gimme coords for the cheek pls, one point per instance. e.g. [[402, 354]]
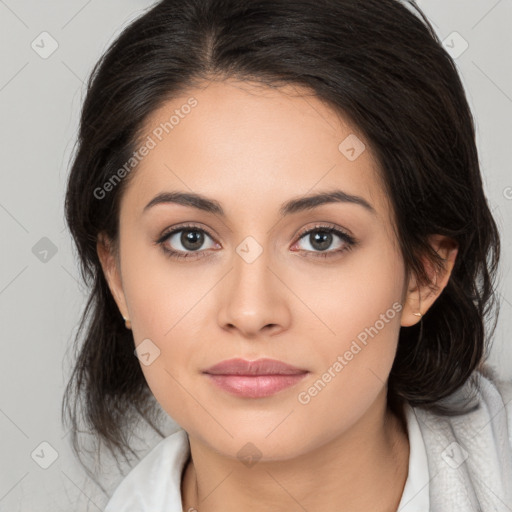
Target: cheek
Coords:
[[162, 298], [363, 291], [353, 374], [360, 310], [172, 374], [161, 292]]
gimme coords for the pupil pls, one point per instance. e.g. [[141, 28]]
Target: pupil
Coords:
[[321, 238], [192, 240]]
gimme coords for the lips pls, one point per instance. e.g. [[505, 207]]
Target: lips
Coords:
[[254, 379], [257, 367]]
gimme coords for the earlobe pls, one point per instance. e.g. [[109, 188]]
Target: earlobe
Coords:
[[419, 299], [412, 311], [111, 272]]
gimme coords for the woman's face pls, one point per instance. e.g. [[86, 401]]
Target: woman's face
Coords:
[[252, 284]]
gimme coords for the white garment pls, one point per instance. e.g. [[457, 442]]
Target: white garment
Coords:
[[415, 496], [439, 480]]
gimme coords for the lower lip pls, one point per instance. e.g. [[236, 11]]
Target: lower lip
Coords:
[[255, 386]]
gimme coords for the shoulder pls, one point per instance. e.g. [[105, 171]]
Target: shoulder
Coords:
[[154, 483], [470, 453], [487, 411], [487, 401]]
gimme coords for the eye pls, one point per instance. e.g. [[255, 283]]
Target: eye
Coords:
[[321, 237], [184, 241], [187, 239]]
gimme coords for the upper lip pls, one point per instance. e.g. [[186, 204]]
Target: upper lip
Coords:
[[258, 367]]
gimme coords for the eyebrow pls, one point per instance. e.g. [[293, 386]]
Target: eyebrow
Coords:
[[290, 207]]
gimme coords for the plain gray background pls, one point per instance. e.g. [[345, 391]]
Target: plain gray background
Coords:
[[41, 297]]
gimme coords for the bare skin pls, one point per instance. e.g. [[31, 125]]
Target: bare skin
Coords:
[[252, 149], [383, 465]]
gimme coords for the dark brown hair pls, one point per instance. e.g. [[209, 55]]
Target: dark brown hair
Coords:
[[378, 63]]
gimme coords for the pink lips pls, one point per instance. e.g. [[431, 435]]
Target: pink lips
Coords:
[[254, 379]]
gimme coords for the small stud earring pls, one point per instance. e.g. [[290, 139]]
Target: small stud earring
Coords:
[[418, 314], [127, 323]]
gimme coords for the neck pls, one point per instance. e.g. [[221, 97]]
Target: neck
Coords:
[[362, 469]]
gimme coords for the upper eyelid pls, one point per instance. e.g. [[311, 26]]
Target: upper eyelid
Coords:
[[319, 225], [172, 231]]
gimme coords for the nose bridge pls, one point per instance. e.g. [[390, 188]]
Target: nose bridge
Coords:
[[250, 267]]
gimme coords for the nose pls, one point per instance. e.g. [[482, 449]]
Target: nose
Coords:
[[254, 298]]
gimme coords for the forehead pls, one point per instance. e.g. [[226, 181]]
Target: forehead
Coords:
[[252, 146]]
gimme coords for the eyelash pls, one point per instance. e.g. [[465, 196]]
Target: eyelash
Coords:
[[348, 239]]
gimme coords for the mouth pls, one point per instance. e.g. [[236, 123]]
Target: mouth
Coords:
[[254, 379]]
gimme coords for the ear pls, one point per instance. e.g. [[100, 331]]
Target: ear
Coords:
[[420, 299], [111, 269]]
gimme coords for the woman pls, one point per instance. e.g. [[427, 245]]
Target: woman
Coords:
[[280, 207]]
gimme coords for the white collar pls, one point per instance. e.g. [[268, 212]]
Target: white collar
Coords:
[[415, 497]]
